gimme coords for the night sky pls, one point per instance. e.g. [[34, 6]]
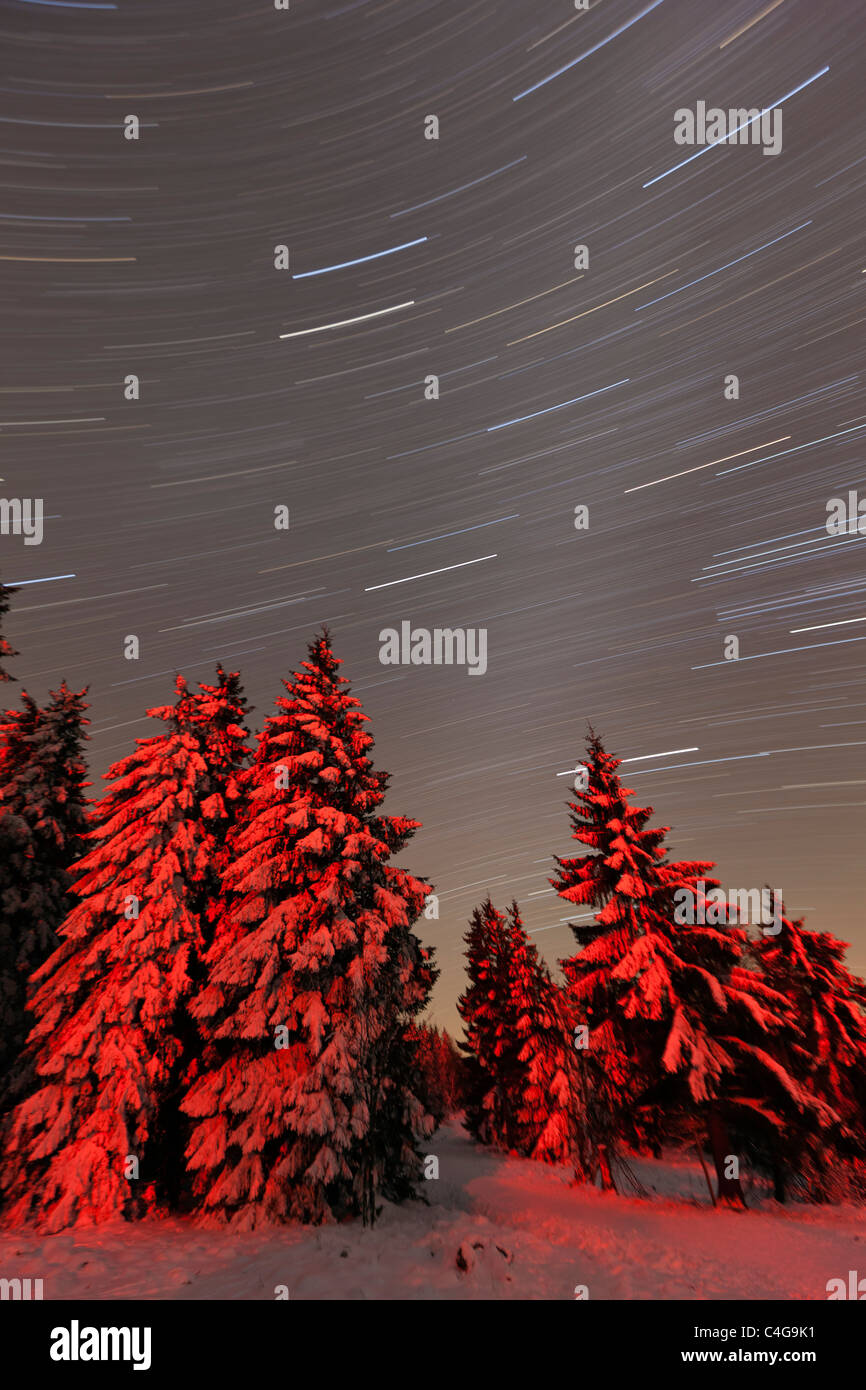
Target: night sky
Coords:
[[559, 387]]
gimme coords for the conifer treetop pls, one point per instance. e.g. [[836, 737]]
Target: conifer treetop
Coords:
[[630, 862]]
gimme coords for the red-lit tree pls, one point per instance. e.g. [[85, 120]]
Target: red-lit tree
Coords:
[[675, 1018], [543, 1099], [609, 880], [489, 1040], [825, 1049], [110, 1045], [218, 714], [441, 1069], [42, 821], [306, 1108]]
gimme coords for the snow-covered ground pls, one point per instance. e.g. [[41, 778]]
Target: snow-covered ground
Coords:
[[496, 1227]]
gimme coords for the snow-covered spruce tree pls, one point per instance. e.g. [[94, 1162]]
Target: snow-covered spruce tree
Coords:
[[543, 1100], [5, 649], [308, 1107], [110, 1045], [607, 1081], [712, 1032], [825, 1050], [218, 716], [42, 821], [489, 1042], [676, 1020]]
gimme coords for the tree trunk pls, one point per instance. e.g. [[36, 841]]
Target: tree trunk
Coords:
[[706, 1174], [729, 1188], [607, 1182]]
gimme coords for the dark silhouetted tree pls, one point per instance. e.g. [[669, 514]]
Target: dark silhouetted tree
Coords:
[[42, 821], [5, 649]]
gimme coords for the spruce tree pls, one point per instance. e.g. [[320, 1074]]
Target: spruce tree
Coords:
[[490, 1043], [825, 1050], [543, 1098], [219, 715], [676, 1019], [308, 1106], [110, 1045], [42, 821], [623, 851]]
